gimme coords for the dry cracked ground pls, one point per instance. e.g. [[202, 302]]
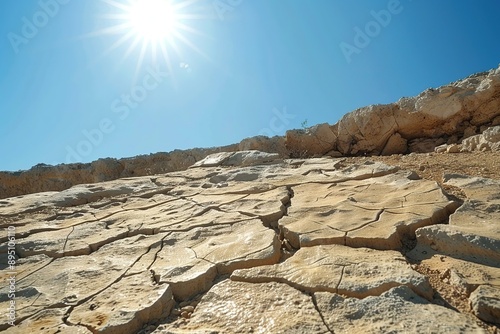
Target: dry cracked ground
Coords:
[[248, 243]]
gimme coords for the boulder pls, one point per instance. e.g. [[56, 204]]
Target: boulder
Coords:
[[395, 145], [318, 139]]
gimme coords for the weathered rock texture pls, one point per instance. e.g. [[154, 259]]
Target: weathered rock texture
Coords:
[[417, 124], [247, 242], [398, 310], [447, 115]]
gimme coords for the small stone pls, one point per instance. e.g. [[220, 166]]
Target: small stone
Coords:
[[440, 148], [188, 308], [454, 148], [186, 315]]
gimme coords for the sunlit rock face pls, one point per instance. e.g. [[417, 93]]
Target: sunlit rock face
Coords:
[[250, 243]]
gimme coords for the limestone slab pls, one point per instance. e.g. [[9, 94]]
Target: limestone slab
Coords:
[[465, 275], [48, 321], [473, 232], [398, 310], [377, 212], [237, 307], [78, 240], [480, 213], [240, 158], [125, 306], [268, 206], [114, 256], [74, 196], [69, 280], [453, 241], [354, 272], [181, 214], [190, 261], [485, 303]]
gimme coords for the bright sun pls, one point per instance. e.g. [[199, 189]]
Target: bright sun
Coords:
[[153, 20], [152, 26]]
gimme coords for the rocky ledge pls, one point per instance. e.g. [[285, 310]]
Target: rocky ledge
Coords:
[[247, 242]]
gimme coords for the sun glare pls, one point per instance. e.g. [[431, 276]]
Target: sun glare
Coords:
[[153, 20], [155, 27]]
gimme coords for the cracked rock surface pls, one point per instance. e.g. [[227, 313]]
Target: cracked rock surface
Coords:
[[398, 310], [249, 243]]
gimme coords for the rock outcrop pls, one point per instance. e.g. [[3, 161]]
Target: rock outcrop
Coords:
[[418, 124], [247, 242], [489, 140]]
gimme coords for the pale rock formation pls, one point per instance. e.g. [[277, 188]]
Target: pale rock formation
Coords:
[[48, 321], [237, 307], [353, 213], [354, 272], [115, 256], [489, 140], [366, 129], [398, 310], [459, 108], [470, 245], [241, 158], [274, 144], [395, 145], [318, 139], [138, 299], [193, 259], [473, 232], [485, 302], [265, 243], [41, 177]]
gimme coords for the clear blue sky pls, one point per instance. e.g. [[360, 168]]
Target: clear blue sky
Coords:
[[235, 69]]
